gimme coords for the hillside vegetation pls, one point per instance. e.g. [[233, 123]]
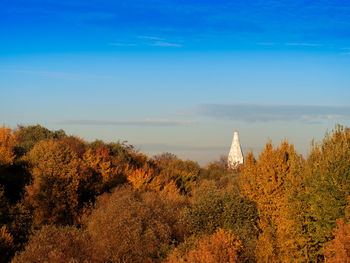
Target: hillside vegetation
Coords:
[[63, 199]]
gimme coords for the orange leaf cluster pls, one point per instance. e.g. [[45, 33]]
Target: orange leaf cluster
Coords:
[[7, 143]]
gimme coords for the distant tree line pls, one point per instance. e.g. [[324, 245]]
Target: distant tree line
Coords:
[[63, 199]]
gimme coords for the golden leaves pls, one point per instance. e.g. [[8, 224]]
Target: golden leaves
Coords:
[[7, 143]]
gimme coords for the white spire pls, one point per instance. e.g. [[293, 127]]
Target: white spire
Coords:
[[235, 156]]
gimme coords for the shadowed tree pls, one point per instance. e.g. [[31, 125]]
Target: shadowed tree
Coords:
[[57, 244]]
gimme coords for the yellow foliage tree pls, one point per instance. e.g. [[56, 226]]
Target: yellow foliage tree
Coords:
[[7, 142], [59, 183], [141, 178], [272, 182]]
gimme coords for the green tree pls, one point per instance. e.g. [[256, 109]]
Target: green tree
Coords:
[[327, 186], [28, 136], [214, 208]]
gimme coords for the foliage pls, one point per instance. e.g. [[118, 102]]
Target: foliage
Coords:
[[183, 173], [6, 245], [328, 186], [338, 249], [28, 136], [220, 247], [131, 227], [271, 182], [60, 183], [7, 143], [57, 244], [276, 208], [214, 208]]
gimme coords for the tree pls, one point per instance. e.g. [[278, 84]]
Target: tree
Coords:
[[272, 182], [338, 249], [129, 226], [30, 135], [57, 244], [7, 143], [6, 245], [183, 173], [327, 186], [61, 183], [213, 208], [220, 247], [105, 168]]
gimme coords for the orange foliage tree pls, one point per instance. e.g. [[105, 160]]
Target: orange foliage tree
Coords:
[[338, 249], [7, 143], [220, 247], [105, 168], [128, 226], [60, 182]]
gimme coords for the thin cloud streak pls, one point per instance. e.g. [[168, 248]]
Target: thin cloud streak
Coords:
[[267, 113], [122, 44], [165, 44], [160, 147], [146, 122], [304, 44], [150, 37]]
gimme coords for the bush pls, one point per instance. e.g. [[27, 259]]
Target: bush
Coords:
[[131, 227], [220, 247], [56, 244]]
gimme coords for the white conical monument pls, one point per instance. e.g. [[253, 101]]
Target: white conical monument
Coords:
[[235, 156]]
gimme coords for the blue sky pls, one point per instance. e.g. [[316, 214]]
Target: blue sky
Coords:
[[177, 76]]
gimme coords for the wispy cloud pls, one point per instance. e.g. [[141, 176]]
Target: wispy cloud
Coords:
[[160, 147], [304, 44], [164, 44], [267, 113], [152, 41], [117, 44], [150, 37], [146, 122], [169, 147], [266, 43]]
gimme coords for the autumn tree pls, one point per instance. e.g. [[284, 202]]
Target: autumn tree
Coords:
[[338, 249], [12, 175], [271, 182], [328, 186], [105, 168], [57, 244], [7, 144], [60, 183], [28, 136], [129, 226], [220, 247], [213, 208], [183, 173]]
